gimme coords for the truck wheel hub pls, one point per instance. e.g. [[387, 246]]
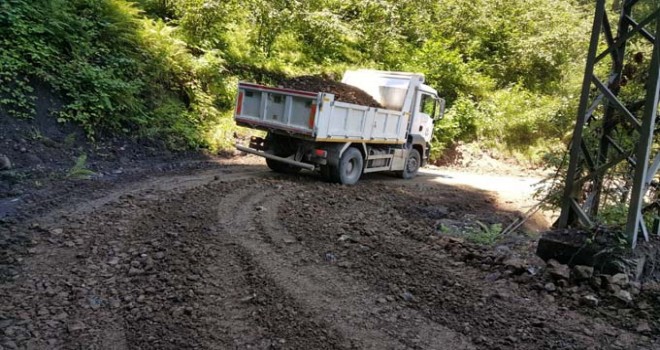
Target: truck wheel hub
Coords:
[[412, 164], [350, 166]]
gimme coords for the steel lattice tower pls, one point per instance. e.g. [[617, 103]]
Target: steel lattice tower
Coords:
[[615, 133]]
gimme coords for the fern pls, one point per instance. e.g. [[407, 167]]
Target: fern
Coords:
[[79, 170]]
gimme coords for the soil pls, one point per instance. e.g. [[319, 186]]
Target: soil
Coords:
[[38, 158], [343, 92], [461, 156], [234, 256]]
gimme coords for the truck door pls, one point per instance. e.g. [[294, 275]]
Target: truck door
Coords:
[[424, 111]]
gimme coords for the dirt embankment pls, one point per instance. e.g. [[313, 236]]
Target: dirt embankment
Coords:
[[245, 259], [42, 160]]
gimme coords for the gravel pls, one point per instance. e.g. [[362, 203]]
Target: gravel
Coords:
[[185, 263]]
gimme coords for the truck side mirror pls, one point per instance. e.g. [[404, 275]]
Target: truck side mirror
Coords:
[[440, 112]]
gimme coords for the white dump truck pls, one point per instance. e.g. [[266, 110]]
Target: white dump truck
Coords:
[[310, 130]]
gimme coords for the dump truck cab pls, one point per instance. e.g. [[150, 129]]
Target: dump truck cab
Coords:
[[427, 109]]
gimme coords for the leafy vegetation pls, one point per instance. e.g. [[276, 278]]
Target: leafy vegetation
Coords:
[[79, 169], [473, 231], [167, 69]]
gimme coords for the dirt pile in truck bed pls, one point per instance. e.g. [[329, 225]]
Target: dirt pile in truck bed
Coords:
[[343, 92]]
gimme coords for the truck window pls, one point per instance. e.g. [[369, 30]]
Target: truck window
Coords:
[[428, 105]]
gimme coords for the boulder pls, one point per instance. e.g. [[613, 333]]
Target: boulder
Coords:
[[557, 270], [516, 264], [620, 279], [582, 273], [5, 163], [624, 296]]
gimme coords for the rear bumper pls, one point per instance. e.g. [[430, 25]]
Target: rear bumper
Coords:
[[274, 157]]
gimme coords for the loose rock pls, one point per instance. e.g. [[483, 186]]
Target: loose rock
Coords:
[[76, 326], [582, 273], [550, 287], [133, 271], [620, 279], [558, 271], [643, 327], [590, 300], [624, 296], [516, 264], [5, 163], [407, 296]]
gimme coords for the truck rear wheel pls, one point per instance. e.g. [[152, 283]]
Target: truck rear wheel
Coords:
[[329, 173], [350, 167], [280, 146], [413, 162]]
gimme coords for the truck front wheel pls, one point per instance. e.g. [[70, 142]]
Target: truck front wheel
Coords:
[[350, 167], [413, 162]]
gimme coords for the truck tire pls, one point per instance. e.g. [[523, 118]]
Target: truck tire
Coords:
[[329, 173], [413, 163], [350, 167], [279, 146]]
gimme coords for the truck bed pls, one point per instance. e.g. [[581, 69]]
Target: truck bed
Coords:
[[317, 116]]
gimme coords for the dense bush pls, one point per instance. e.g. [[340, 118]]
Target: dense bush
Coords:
[[115, 70], [168, 69]]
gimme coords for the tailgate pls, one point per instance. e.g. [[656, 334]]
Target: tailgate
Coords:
[[269, 108]]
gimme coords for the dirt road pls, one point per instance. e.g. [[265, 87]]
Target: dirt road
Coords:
[[239, 258]]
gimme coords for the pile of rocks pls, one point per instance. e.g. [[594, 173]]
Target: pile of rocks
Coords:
[[582, 284]]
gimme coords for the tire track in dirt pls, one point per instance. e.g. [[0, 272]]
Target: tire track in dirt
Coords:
[[254, 224], [202, 278], [143, 271], [172, 183], [290, 325]]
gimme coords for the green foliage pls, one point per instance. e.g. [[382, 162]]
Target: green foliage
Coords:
[[167, 68], [475, 232], [613, 214], [449, 71], [518, 65], [518, 118], [70, 140], [485, 234], [460, 123], [79, 170]]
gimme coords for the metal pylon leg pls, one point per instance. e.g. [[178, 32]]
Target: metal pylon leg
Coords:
[[595, 153], [635, 217]]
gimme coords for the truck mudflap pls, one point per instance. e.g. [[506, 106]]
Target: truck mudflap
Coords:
[[274, 157]]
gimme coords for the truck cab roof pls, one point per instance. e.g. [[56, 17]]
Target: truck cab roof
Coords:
[[428, 89]]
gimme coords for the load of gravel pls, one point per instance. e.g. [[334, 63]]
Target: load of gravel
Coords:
[[343, 92]]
